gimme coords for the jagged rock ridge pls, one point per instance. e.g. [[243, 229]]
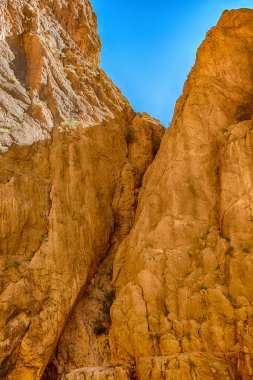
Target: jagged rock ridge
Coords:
[[74, 155]]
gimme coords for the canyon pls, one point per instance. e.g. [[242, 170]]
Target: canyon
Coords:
[[126, 250]]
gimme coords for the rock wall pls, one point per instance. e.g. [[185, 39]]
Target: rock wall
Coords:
[[184, 274], [113, 264], [67, 137]]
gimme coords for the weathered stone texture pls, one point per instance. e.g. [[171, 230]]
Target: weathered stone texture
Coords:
[[87, 207], [184, 274]]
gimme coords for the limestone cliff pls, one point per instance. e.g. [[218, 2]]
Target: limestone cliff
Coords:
[[104, 274], [184, 276], [73, 157]]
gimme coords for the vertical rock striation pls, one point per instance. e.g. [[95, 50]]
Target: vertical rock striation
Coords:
[[113, 264], [184, 274], [64, 131]]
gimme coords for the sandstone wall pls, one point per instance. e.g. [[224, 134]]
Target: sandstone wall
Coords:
[[87, 215], [184, 274], [64, 136]]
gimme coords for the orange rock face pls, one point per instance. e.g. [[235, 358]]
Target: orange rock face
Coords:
[[184, 275], [72, 151], [114, 265]]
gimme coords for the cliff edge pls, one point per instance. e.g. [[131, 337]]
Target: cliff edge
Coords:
[[121, 258]]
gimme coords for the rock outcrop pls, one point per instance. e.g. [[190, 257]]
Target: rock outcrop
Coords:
[[113, 264], [73, 157], [184, 275]]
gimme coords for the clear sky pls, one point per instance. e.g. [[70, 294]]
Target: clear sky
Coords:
[[149, 47]]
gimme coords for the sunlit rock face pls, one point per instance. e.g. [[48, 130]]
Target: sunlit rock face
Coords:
[[184, 275], [73, 157], [114, 265]]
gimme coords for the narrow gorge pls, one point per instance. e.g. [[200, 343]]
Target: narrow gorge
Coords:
[[126, 250]]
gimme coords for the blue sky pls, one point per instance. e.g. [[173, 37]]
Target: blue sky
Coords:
[[149, 47]]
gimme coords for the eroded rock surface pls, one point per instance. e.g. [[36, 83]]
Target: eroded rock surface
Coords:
[[67, 139], [184, 274], [113, 264], [97, 373]]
